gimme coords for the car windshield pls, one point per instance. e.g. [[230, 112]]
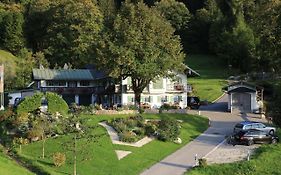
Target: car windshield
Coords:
[[239, 126]]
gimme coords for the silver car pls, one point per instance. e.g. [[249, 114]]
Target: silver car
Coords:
[[246, 125]]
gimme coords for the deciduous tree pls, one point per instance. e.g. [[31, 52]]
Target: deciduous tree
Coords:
[[140, 44]]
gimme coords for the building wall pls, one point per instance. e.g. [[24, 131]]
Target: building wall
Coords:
[[157, 95]]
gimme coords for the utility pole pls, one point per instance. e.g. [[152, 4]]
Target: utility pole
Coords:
[[2, 87]]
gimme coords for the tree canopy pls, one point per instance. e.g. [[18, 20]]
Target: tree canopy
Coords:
[[139, 44]]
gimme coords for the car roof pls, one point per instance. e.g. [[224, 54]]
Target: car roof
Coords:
[[247, 122]]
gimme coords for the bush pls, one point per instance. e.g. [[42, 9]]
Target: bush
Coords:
[[6, 114], [30, 104], [150, 129], [59, 159], [128, 136], [167, 106], [34, 133], [202, 162], [56, 103], [168, 130]]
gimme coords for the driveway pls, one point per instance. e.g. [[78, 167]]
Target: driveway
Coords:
[[221, 125]]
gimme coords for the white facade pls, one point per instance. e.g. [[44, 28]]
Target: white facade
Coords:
[[163, 90], [242, 98]]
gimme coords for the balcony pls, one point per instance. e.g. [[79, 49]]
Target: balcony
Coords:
[[178, 88]]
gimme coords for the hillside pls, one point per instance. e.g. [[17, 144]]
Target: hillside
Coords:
[[213, 74]]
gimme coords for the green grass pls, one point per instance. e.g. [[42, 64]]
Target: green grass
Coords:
[[6, 55], [98, 157], [266, 161], [10, 167], [213, 73]]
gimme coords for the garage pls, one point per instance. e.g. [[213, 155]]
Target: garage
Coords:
[[241, 101], [244, 97]]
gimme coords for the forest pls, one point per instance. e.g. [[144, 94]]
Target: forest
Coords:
[[244, 33]]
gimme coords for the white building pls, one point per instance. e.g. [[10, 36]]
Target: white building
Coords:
[[163, 90], [244, 97]]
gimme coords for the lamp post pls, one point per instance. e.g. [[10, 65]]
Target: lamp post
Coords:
[[2, 87]]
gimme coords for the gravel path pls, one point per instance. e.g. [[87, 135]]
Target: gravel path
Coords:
[[226, 153]]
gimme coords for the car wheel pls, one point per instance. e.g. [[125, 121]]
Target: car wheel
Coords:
[[250, 142], [271, 132], [274, 141]]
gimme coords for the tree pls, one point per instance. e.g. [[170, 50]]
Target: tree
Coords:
[[140, 44], [175, 12], [69, 27], [11, 31]]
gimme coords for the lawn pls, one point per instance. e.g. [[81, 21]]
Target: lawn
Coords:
[[266, 161], [10, 167], [98, 157], [213, 73]]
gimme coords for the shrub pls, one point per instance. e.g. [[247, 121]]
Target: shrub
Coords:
[[6, 114], [133, 107], [59, 159], [167, 106], [21, 118], [34, 133], [30, 104], [128, 136], [168, 130], [150, 129], [202, 162], [56, 103]]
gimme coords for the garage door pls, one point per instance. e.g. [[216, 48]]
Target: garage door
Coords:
[[241, 101]]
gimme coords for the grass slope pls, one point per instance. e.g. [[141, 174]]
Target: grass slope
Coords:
[[6, 55], [98, 157], [9, 167], [213, 73], [266, 161]]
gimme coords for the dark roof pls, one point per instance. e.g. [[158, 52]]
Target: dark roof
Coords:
[[241, 89], [190, 71], [241, 86], [64, 74]]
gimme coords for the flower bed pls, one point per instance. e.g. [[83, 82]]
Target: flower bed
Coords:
[[135, 128]]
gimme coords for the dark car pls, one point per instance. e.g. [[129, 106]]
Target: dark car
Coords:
[[252, 136], [17, 101], [193, 102]]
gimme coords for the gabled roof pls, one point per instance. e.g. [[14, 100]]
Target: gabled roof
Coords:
[[241, 86], [190, 71], [68, 74]]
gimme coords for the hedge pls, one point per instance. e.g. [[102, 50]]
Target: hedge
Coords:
[[56, 103], [30, 104]]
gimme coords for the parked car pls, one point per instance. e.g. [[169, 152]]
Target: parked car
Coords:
[[17, 101], [252, 136], [246, 125], [193, 102]]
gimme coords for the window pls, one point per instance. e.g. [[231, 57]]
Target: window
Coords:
[[84, 83], [56, 83], [164, 99], [72, 84]]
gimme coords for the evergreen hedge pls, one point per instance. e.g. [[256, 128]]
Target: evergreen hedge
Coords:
[[30, 104], [56, 103]]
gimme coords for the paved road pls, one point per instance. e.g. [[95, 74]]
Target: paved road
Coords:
[[183, 159]]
